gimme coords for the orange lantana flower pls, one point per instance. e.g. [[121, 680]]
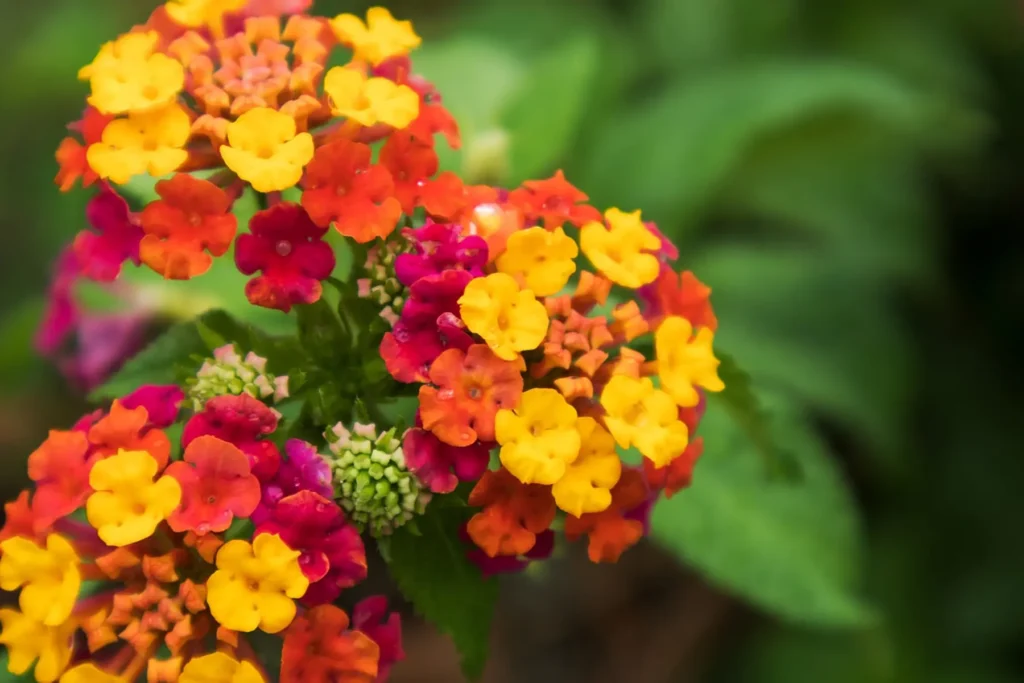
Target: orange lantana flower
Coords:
[[60, 468], [71, 154], [413, 164], [320, 648], [217, 485], [471, 387], [554, 202], [611, 532], [342, 186], [192, 217], [512, 516], [126, 429], [681, 294]]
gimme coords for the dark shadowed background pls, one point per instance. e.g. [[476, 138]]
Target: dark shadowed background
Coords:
[[847, 176]]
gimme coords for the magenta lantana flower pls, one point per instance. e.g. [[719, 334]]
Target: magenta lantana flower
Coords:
[[161, 401], [372, 618], [333, 556], [303, 470], [441, 466], [114, 239], [440, 247], [288, 249]]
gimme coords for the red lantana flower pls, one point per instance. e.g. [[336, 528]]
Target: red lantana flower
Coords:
[[288, 248], [60, 468], [678, 474], [512, 516], [192, 217], [413, 164], [128, 429], [441, 466], [217, 485], [612, 532], [114, 239], [243, 421], [319, 647], [71, 154], [554, 201], [333, 556], [471, 387], [342, 186]]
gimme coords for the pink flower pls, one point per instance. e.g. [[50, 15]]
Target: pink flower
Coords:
[[429, 324], [303, 470], [333, 556], [105, 341], [243, 421], [162, 402], [369, 617], [440, 247], [289, 249], [440, 466], [115, 240], [61, 312]]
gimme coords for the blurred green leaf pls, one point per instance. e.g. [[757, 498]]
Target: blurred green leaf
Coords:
[[543, 117], [18, 359], [158, 363], [824, 334], [681, 145], [793, 549], [740, 401]]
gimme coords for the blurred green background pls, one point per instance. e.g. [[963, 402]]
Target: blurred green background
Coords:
[[846, 175]]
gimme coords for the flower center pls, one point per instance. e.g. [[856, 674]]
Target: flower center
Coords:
[[283, 248]]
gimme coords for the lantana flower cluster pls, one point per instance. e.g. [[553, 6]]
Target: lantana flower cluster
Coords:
[[556, 360]]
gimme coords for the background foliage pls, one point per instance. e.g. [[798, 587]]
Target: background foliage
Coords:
[[844, 174]]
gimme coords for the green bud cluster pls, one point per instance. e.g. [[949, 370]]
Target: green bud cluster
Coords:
[[371, 482], [379, 284], [228, 373]]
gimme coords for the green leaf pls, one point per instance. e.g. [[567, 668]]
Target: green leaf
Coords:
[[444, 586], [743, 405], [681, 145], [158, 363], [7, 677], [322, 334], [793, 549], [543, 117]]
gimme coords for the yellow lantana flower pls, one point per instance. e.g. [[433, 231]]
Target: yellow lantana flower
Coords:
[[219, 668], [28, 640], [264, 150], [198, 13], [639, 415], [89, 673], [50, 576], [128, 505], [508, 319], [539, 439], [619, 250], [255, 586], [128, 77], [369, 101], [143, 143], [543, 258], [684, 363], [381, 37], [588, 480]]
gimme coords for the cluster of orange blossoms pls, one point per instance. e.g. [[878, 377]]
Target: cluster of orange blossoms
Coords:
[[517, 318]]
